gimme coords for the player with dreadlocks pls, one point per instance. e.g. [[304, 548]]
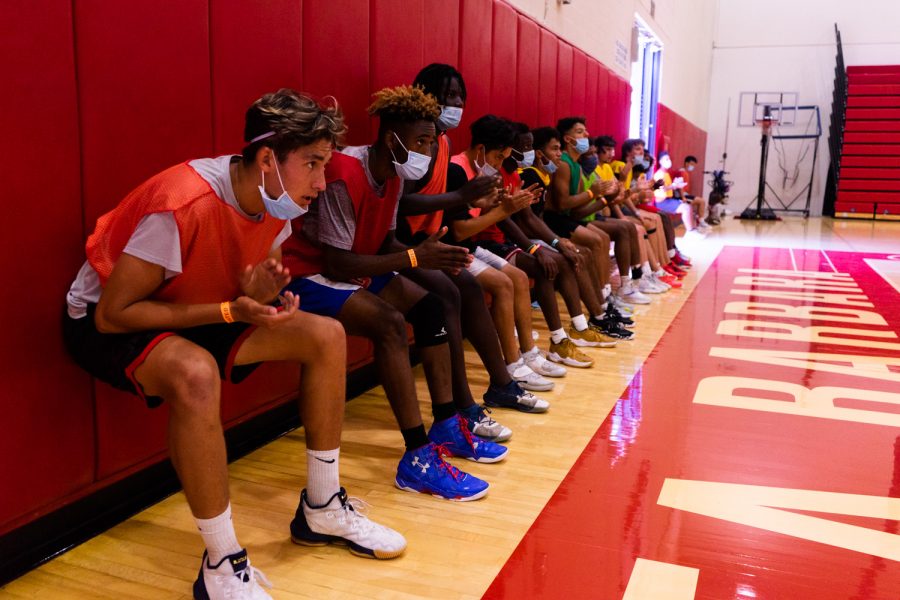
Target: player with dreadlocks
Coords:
[[347, 257]]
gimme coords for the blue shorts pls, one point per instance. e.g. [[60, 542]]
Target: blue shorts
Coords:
[[669, 205], [322, 296]]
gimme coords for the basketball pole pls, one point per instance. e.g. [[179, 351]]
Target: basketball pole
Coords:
[[760, 213]]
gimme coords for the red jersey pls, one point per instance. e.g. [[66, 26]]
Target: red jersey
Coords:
[[217, 242], [374, 216], [430, 223]]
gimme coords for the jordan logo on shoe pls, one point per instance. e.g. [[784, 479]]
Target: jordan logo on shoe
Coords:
[[423, 466], [443, 331]]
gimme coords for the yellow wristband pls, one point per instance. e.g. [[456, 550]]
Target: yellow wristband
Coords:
[[413, 261], [590, 194], [225, 309]]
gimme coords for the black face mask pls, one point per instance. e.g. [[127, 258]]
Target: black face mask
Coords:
[[589, 163]]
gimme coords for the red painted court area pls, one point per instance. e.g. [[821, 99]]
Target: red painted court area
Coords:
[[732, 452]]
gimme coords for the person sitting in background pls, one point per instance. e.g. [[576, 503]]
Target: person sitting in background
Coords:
[[541, 149], [566, 207], [168, 304], [684, 173], [344, 258], [427, 199], [671, 198], [633, 154]]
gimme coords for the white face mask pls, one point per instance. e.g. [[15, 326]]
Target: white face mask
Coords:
[[485, 169], [284, 206], [415, 167], [527, 158], [690, 168], [665, 162], [450, 117]]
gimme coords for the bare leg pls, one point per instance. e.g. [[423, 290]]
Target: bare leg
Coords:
[[502, 291], [187, 378], [521, 305]]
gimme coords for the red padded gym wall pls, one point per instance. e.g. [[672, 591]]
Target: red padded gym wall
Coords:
[[391, 20], [590, 97], [603, 103], [336, 58], [139, 114], [527, 72], [144, 92], [394, 21], [504, 59], [475, 30], [48, 435], [579, 77], [243, 68], [441, 32], [563, 81], [547, 78]]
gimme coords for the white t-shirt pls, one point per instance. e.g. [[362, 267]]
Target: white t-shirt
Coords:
[[156, 239]]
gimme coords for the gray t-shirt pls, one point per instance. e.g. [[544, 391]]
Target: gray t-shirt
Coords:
[[332, 219], [156, 239]]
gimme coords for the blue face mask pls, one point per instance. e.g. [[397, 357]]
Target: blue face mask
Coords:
[[284, 206], [582, 145], [639, 159], [550, 167], [589, 164]]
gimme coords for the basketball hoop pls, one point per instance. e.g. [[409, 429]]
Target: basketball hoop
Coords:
[[766, 123]]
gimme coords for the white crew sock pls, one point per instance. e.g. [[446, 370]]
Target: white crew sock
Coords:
[[322, 479], [672, 253], [218, 535], [645, 268], [607, 290], [579, 322], [558, 335]]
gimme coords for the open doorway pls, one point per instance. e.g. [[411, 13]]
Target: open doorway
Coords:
[[646, 53]]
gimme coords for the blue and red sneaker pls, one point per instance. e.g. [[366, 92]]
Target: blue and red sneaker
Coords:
[[425, 471], [454, 435]]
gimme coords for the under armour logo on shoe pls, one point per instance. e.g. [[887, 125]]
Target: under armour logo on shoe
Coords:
[[423, 466]]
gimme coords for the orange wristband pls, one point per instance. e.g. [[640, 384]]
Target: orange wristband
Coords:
[[225, 309], [413, 261], [590, 194]]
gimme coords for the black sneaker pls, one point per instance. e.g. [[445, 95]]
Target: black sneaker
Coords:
[[513, 396], [611, 327], [613, 313]]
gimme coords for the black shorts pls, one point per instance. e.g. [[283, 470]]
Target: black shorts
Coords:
[[560, 224], [504, 251], [114, 357]]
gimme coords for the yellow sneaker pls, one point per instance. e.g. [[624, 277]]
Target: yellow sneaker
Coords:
[[591, 338], [567, 353]]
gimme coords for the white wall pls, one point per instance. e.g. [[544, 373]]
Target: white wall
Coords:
[[779, 45], [600, 27]]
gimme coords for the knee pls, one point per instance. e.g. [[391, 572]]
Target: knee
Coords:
[[519, 280], [193, 382], [390, 327], [468, 289], [428, 321], [502, 288], [326, 335]]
